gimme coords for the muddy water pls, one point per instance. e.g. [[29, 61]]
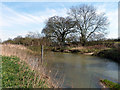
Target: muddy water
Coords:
[[80, 71]]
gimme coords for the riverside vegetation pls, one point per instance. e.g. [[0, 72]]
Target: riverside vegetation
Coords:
[[110, 84], [82, 31], [16, 74], [109, 48], [105, 49], [22, 68], [95, 49]]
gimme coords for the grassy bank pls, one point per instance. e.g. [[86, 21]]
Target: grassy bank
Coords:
[[110, 84], [16, 74], [112, 53], [81, 49]]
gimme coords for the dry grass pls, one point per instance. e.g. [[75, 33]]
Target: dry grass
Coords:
[[31, 59], [89, 47], [77, 48]]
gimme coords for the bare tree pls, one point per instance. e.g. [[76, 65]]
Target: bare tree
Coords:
[[88, 21], [72, 38], [57, 28], [97, 37], [33, 35]]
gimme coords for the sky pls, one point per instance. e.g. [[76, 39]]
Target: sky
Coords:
[[19, 18]]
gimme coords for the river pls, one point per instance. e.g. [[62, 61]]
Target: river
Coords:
[[80, 71]]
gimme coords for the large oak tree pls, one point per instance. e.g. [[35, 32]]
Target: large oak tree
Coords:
[[57, 28], [88, 21]]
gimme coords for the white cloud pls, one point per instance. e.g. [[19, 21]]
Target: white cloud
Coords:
[[100, 8], [11, 20], [6, 34], [11, 17], [113, 19]]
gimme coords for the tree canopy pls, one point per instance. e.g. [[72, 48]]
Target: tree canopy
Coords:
[[57, 28], [82, 19], [88, 21]]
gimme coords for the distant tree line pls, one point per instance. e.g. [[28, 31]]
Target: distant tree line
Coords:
[[31, 39]]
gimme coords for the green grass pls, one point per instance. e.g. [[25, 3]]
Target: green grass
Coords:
[[16, 74], [35, 48], [110, 84]]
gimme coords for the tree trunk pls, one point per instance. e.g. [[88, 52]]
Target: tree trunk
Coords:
[[63, 40], [83, 40], [83, 43]]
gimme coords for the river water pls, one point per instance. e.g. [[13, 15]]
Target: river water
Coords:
[[80, 71]]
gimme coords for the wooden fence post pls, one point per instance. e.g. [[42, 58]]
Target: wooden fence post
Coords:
[[41, 53]]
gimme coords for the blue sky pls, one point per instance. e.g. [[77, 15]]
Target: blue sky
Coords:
[[18, 18]]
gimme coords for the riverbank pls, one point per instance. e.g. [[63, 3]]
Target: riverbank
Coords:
[[31, 59], [112, 53], [109, 84], [96, 50], [66, 58], [81, 49], [17, 74]]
